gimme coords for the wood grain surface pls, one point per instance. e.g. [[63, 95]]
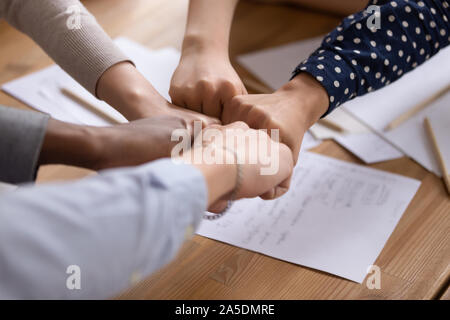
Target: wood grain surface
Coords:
[[415, 260]]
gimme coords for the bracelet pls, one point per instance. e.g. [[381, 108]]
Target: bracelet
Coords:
[[235, 190]]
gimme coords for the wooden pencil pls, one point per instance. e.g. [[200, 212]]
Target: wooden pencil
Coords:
[[437, 151], [94, 109], [256, 86], [413, 111]]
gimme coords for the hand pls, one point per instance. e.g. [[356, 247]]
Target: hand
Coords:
[[204, 82], [138, 142], [253, 183], [291, 109], [122, 145], [124, 88]]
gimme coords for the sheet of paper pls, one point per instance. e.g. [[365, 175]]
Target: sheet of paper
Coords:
[[309, 142], [439, 118], [357, 138], [274, 66], [41, 90], [336, 218], [344, 120], [369, 147]]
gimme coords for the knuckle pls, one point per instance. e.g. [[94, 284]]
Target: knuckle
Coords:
[[204, 85], [236, 101], [242, 124]]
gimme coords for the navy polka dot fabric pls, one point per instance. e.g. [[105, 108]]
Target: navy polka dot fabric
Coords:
[[357, 57]]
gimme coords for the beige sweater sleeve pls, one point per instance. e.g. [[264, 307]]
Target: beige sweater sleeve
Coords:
[[68, 33]]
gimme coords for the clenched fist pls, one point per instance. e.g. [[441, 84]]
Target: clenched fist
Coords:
[[291, 109], [204, 82]]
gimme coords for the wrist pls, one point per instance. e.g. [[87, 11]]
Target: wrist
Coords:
[[70, 144], [123, 87], [309, 96], [220, 178], [195, 43]]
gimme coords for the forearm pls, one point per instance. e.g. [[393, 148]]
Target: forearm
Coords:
[[118, 227], [125, 88], [68, 33], [73, 38], [70, 144], [208, 25], [312, 99]]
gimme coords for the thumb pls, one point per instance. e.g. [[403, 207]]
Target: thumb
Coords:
[[218, 207], [277, 191]]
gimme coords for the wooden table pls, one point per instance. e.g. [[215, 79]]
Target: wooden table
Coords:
[[415, 260]]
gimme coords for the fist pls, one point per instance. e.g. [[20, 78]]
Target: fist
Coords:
[[204, 83], [269, 111]]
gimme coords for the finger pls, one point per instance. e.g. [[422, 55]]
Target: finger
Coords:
[[213, 105], [278, 191], [192, 99], [218, 207], [195, 116], [236, 125], [268, 195], [207, 120], [177, 100], [244, 90], [235, 112]]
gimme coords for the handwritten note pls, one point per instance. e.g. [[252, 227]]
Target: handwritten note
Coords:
[[336, 218]]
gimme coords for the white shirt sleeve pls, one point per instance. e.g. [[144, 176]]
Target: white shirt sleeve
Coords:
[[116, 227]]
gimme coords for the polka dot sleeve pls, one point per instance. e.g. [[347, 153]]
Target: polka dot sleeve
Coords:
[[357, 57]]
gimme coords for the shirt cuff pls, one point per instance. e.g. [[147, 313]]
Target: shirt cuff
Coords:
[[21, 136]]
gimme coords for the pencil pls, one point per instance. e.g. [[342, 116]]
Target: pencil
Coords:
[[331, 125], [440, 158], [413, 111], [81, 101]]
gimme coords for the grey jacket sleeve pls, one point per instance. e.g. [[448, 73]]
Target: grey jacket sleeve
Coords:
[[21, 136], [95, 237]]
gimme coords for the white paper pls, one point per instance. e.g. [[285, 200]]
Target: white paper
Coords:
[[274, 66], [309, 142], [41, 90], [379, 108], [336, 218]]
